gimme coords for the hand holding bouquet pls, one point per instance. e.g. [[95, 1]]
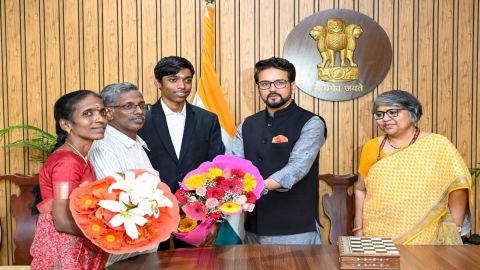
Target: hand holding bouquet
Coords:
[[130, 212], [226, 186]]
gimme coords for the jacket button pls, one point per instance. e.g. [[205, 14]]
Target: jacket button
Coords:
[[260, 159], [264, 141]]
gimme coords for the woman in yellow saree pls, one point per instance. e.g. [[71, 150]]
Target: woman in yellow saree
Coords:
[[413, 186]]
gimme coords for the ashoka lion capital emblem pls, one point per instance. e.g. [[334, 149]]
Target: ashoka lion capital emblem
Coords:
[[336, 37]]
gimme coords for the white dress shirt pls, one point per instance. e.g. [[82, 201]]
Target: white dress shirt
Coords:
[[176, 125], [117, 152]]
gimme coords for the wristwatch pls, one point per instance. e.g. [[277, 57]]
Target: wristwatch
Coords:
[[264, 191]]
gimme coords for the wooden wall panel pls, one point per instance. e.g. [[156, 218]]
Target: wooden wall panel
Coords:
[[50, 47], [91, 45], [149, 53], [247, 38]]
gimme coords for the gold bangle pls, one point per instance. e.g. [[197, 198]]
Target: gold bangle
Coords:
[[357, 229]]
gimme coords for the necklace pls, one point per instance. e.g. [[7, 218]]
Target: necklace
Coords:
[[385, 139], [76, 150], [415, 136]]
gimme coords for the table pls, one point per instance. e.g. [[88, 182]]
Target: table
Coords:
[[273, 257]]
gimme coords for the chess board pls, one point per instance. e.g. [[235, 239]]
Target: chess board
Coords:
[[367, 253]]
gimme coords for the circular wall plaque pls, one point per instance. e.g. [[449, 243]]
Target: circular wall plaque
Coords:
[[338, 54]]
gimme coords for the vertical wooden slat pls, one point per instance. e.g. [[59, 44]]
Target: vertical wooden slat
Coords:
[[91, 45], [226, 70], [13, 77], [168, 28], [71, 46], [425, 58], [266, 22], [405, 44], [148, 50], [33, 75], [246, 39], [110, 42], [445, 68], [4, 250], [464, 80], [129, 58]]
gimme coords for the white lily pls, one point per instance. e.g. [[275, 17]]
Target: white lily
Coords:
[[126, 216], [154, 202]]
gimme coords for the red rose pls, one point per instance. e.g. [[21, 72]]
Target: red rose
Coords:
[[180, 194], [214, 192], [251, 198], [218, 179], [237, 172]]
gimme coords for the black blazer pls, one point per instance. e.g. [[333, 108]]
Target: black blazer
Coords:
[[202, 141]]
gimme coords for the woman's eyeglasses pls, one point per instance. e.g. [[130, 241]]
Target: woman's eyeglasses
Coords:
[[379, 115]]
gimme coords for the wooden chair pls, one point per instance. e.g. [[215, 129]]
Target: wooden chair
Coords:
[[339, 206], [21, 210]]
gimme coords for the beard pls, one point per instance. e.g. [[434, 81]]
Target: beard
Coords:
[[275, 104]]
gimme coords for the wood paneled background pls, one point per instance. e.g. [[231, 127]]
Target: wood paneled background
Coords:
[[50, 47]]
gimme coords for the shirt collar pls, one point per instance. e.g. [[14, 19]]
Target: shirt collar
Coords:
[[169, 112], [120, 137]]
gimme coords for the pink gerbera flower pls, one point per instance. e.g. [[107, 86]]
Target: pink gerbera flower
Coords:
[[195, 210], [232, 186]]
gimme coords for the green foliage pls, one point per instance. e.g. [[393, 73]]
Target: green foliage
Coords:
[[475, 172], [40, 141]]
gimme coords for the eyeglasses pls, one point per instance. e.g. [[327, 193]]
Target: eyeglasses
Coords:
[[379, 115], [133, 107], [265, 85]]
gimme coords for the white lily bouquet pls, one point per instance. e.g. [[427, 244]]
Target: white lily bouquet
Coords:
[[125, 213]]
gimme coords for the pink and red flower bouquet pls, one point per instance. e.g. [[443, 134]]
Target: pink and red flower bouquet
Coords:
[[125, 213], [226, 186]]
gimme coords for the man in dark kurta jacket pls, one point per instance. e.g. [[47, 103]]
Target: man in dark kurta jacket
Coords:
[[283, 141]]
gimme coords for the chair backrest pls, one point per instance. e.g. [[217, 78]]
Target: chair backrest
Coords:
[[21, 210], [339, 207]]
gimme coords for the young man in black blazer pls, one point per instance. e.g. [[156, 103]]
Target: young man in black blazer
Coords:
[[180, 136]]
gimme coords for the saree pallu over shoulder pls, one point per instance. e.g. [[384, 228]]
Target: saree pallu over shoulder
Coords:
[[407, 193]]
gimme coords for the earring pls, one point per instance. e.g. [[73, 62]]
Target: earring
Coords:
[[69, 130]]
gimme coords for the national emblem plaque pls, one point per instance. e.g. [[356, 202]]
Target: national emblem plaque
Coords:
[[339, 54]]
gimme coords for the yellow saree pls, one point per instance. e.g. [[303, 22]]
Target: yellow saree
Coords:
[[407, 193]]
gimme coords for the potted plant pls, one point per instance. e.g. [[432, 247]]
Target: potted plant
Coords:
[[40, 141]]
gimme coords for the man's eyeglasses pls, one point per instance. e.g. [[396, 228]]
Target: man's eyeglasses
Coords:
[[132, 107], [378, 115], [265, 85]]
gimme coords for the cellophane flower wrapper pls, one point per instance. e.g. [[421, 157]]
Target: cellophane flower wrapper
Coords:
[[225, 186], [125, 213]]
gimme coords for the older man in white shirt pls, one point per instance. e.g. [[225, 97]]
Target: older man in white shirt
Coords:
[[121, 148]]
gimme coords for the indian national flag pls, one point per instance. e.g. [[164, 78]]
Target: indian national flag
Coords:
[[210, 96]]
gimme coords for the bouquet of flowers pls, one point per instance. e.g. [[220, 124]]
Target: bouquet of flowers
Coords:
[[226, 186], [125, 213]]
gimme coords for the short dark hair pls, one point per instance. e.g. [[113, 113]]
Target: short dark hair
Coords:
[[401, 99], [278, 63], [171, 65]]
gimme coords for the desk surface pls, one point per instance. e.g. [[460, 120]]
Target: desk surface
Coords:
[[272, 257]]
